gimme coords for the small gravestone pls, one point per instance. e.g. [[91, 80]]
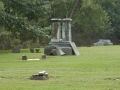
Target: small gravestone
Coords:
[[44, 56], [37, 50], [16, 50], [32, 50], [103, 42], [24, 57], [107, 42], [43, 75]]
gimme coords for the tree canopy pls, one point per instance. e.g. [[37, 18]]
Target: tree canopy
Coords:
[[31, 18], [25, 17]]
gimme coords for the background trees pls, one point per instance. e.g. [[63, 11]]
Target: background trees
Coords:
[[30, 19], [26, 19], [113, 11], [91, 20], [24, 16]]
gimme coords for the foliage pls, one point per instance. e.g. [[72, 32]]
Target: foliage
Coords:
[[89, 18], [92, 17], [25, 17], [112, 8], [15, 43], [4, 39], [61, 8], [31, 18], [1, 6], [114, 13]]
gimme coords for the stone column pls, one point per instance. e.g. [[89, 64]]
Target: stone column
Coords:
[[56, 30], [66, 29]]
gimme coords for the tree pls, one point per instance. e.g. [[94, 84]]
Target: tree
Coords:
[[74, 8], [25, 17], [61, 8], [92, 20], [113, 11]]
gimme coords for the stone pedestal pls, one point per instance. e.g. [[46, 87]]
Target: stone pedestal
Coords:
[[66, 29], [56, 30]]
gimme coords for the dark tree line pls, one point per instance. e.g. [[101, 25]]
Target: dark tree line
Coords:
[[30, 19]]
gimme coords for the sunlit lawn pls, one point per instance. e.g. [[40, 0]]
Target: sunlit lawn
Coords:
[[97, 68]]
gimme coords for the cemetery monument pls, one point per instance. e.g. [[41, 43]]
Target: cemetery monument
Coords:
[[103, 42], [61, 42]]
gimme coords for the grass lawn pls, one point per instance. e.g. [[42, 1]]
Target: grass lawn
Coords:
[[97, 68]]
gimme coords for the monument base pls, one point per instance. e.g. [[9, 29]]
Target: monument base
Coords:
[[64, 48], [67, 50]]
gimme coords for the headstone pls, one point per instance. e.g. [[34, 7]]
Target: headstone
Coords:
[[103, 42], [32, 50], [43, 75], [107, 42], [24, 57], [99, 43], [16, 50], [37, 50], [44, 56]]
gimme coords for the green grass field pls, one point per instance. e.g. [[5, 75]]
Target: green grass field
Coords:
[[97, 68]]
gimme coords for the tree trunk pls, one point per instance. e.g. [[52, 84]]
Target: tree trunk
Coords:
[[73, 9]]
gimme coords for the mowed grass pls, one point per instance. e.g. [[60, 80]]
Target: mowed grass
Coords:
[[97, 68]]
